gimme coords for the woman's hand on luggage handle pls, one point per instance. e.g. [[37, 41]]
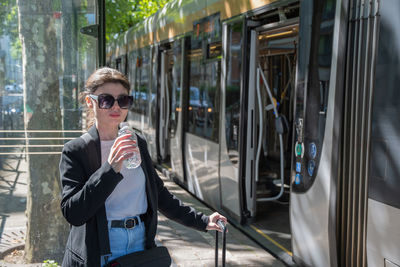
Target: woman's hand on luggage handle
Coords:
[[212, 222]]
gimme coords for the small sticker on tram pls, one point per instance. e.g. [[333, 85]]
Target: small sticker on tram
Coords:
[[297, 178], [313, 150], [298, 167], [311, 167], [299, 149]]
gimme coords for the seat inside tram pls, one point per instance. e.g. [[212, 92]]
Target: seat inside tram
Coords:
[[277, 59]]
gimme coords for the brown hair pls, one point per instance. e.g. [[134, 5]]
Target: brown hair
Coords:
[[98, 78]]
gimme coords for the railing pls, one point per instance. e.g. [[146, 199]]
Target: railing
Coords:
[[35, 142]]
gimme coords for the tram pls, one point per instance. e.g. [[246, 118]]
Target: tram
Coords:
[[279, 114]]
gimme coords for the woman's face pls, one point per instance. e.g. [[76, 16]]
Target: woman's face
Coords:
[[108, 118]]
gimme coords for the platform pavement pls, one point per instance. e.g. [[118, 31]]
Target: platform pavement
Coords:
[[193, 248], [186, 246]]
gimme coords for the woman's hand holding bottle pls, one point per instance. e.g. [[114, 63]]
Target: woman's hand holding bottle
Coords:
[[123, 148]]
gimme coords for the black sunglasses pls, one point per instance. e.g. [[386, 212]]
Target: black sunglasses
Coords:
[[106, 101]]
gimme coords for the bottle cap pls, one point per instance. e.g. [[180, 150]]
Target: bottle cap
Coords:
[[123, 124]]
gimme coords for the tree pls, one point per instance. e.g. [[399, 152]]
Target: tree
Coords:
[[123, 14], [46, 230]]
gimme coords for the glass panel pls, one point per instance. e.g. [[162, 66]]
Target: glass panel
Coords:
[[153, 89], [132, 72], [174, 84], [203, 96], [195, 82], [143, 69], [232, 100], [208, 115], [384, 175], [44, 63]]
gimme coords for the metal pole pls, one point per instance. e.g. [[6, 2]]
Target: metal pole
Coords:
[[101, 39], [216, 248]]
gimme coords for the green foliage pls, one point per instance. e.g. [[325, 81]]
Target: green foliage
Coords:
[[123, 14], [8, 16], [16, 48], [50, 263], [9, 24]]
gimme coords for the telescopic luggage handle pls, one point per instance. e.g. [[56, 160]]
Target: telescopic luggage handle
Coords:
[[223, 227]]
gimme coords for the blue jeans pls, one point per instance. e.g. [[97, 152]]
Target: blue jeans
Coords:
[[124, 241]]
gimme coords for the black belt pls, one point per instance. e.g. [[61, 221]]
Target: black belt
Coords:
[[128, 223]]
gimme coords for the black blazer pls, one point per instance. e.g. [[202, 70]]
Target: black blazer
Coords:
[[86, 184]]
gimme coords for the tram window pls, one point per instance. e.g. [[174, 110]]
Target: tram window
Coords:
[[143, 81], [214, 50], [132, 75], [384, 174], [174, 80], [232, 100], [152, 92], [204, 82], [329, 11], [118, 64], [325, 50], [195, 80], [210, 100], [123, 64]]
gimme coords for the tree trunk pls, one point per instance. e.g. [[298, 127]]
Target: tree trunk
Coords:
[[46, 228]]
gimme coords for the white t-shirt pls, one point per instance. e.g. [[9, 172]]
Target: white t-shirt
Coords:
[[129, 196]]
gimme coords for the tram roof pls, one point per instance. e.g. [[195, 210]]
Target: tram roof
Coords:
[[176, 18]]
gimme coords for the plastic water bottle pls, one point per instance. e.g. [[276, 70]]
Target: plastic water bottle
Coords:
[[135, 160]]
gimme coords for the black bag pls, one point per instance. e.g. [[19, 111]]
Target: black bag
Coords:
[[155, 257]]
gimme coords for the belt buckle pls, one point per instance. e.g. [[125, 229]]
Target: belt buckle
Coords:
[[128, 223]]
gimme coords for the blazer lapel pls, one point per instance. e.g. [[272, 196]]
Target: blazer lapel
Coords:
[[94, 153]]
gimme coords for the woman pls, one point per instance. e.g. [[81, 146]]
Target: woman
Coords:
[[113, 210]]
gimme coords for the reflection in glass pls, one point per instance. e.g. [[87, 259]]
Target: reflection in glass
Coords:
[[41, 76], [174, 81], [203, 110], [143, 81], [232, 101], [384, 174]]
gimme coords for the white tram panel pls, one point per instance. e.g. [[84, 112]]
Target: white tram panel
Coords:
[[383, 235], [202, 160], [383, 214], [313, 213]]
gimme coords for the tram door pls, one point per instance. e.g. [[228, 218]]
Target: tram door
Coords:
[[170, 119], [271, 84], [318, 111], [231, 69], [269, 117], [202, 108]]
